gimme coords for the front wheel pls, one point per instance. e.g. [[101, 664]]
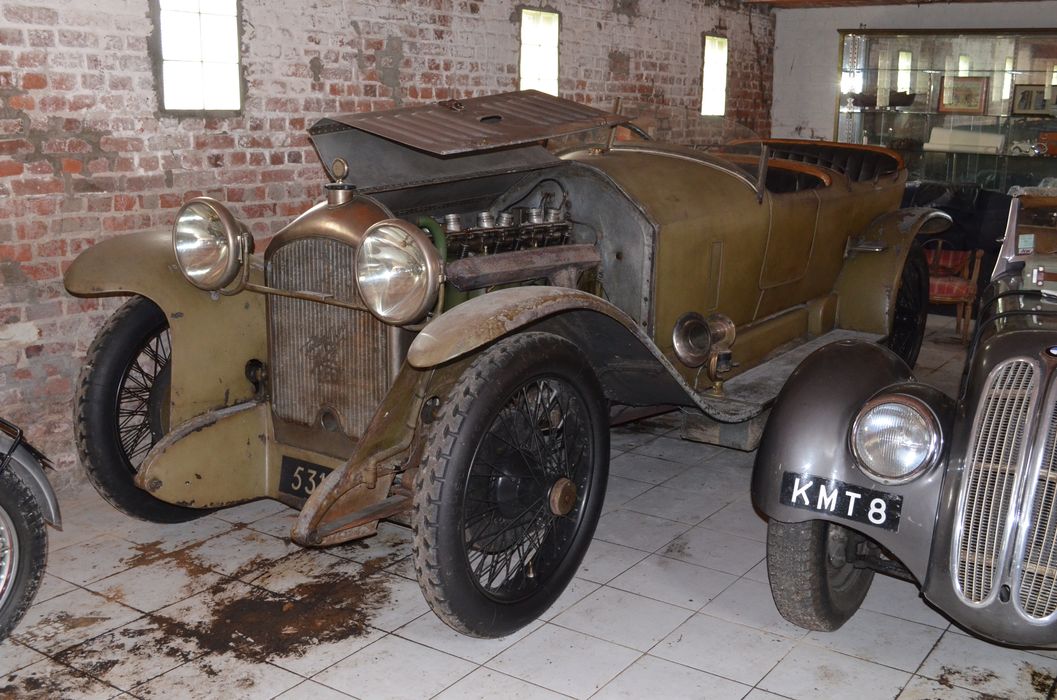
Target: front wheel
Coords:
[[911, 308], [814, 581], [511, 485], [23, 550], [122, 408]]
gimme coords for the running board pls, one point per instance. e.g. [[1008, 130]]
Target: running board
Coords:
[[738, 416]]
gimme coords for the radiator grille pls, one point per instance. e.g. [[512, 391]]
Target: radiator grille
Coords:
[[1038, 583], [324, 357], [994, 457]]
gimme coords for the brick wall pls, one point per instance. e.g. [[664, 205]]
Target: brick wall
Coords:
[[85, 155]]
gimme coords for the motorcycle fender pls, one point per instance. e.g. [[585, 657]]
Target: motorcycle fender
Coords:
[[627, 362], [876, 256], [28, 467], [213, 336], [807, 443]]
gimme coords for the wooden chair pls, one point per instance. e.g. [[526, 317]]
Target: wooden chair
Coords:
[[952, 280]]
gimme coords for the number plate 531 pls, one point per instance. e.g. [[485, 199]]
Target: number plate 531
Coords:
[[300, 478]]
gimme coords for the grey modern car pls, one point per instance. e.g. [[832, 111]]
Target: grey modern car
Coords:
[[883, 473]]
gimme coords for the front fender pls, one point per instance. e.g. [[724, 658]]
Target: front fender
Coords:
[[28, 467], [859, 306], [629, 365], [213, 336], [808, 435]]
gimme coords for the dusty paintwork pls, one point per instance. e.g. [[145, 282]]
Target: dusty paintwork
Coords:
[[217, 336], [650, 232]]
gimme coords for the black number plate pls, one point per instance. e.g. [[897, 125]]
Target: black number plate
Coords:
[[300, 478], [842, 500]]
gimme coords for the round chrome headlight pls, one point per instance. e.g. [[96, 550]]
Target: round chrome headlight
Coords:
[[206, 239], [398, 271], [895, 438]]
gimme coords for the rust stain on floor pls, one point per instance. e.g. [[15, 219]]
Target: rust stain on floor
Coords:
[[335, 605]]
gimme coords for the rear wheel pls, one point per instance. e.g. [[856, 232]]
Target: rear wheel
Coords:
[[814, 582], [911, 308], [23, 550], [511, 485], [122, 408]]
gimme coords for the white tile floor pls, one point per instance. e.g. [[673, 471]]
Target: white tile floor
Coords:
[[671, 601]]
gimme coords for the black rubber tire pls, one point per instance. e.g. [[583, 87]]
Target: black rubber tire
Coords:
[[28, 533], [912, 308], [809, 589], [482, 404], [107, 463]]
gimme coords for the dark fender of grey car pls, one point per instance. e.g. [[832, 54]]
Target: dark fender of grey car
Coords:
[[977, 530]]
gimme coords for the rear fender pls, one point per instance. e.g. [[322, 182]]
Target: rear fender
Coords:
[[630, 367], [29, 467], [213, 335], [807, 435], [876, 256]]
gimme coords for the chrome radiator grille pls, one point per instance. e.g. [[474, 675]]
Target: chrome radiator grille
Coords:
[[1038, 583], [993, 460], [324, 359]]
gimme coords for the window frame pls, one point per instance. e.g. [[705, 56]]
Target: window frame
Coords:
[[154, 50], [521, 10], [705, 36]]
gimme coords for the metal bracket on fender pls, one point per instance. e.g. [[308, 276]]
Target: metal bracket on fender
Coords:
[[351, 500]]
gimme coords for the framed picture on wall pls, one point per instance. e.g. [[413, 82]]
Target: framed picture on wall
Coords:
[[963, 95], [1028, 99]]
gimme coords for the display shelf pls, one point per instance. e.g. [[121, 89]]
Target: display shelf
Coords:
[[970, 106]]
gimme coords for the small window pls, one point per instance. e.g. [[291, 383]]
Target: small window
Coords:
[[965, 64], [539, 51], [714, 77], [905, 64], [198, 57], [1053, 77]]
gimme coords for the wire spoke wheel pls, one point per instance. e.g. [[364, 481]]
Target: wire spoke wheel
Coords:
[[143, 398], [525, 489], [122, 408], [511, 484]]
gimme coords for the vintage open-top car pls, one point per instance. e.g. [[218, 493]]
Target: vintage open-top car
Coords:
[[448, 331], [887, 474]]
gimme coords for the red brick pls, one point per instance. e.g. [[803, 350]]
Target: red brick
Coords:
[[10, 147], [11, 37], [22, 252], [34, 81], [51, 249], [124, 202], [10, 168], [25, 14], [33, 187]]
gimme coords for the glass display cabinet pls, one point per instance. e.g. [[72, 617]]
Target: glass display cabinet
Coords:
[[960, 106]]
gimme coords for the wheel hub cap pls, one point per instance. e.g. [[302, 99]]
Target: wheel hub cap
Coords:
[[563, 496]]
